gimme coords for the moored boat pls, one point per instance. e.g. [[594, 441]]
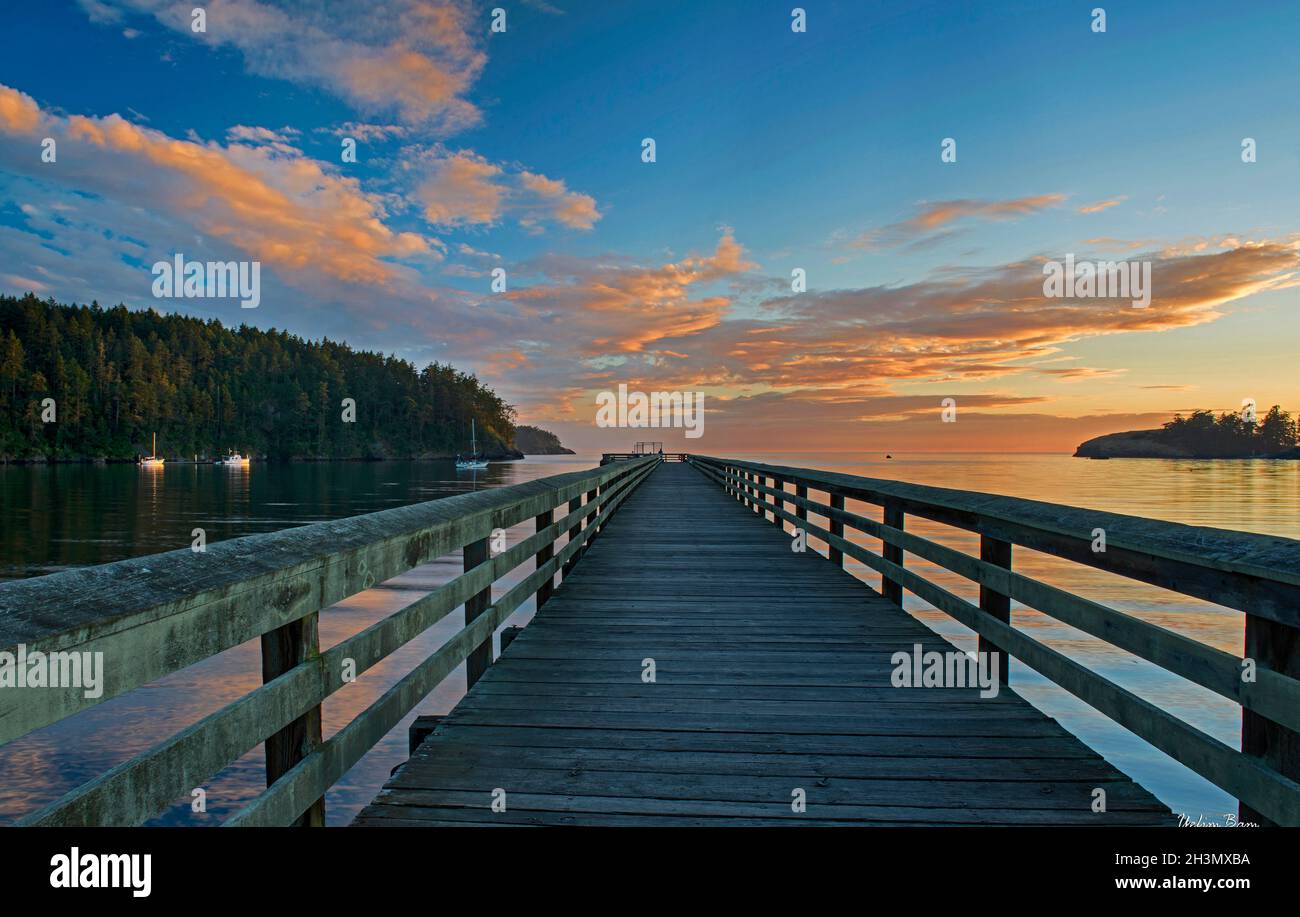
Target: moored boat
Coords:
[[153, 460], [473, 460]]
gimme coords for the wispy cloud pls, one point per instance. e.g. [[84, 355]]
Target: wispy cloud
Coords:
[[415, 58], [1099, 206], [934, 217]]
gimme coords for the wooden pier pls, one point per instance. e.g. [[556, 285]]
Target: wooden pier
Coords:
[[685, 665], [771, 677]]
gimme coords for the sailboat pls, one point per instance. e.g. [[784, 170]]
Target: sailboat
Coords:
[[153, 460], [474, 460]]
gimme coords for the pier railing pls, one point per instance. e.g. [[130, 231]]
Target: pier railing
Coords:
[[1255, 574], [151, 616], [608, 457]]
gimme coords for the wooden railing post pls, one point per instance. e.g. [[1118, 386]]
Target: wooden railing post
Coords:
[[588, 521], [476, 552], [574, 505], [998, 552], [801, 511], [1276, 646], [890, 589], [837, 528], [283, 649], [544, 554]]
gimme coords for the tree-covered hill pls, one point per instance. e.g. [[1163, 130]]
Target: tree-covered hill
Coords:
[[1202, 435], [117, 376], [536, 441]]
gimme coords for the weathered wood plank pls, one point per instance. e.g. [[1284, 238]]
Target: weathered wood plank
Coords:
[[751, 691], [761, 744]]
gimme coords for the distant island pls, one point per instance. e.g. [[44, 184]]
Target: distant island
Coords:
[[535, 441], [82, 383], [1202, 435]]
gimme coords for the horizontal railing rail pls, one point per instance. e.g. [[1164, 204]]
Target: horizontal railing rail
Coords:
[[151, 616], [1256, 574], [608, 457]]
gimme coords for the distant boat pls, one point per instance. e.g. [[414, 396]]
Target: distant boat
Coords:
[[153, 460], [233, 458], [474, 461]]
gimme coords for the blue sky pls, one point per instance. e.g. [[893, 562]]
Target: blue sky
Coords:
[[775, 150]]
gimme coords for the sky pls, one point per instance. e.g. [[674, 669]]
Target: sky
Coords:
[[776, 151]]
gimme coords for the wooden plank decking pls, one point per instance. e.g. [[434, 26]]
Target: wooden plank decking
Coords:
[[771, 675]]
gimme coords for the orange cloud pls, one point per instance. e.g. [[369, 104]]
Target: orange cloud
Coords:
[[577, 211], [940, 213], [284, 210], [838, 357], [461, 190], [464, 188], [19, 113], [970, 326], [1102, 205], [935, 216], [626, 309]]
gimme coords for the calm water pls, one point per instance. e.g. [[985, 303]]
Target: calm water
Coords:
[[55, 518]]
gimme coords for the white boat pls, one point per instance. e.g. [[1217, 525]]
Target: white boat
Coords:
[[153, 460], [474, 461], [233, 458]]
